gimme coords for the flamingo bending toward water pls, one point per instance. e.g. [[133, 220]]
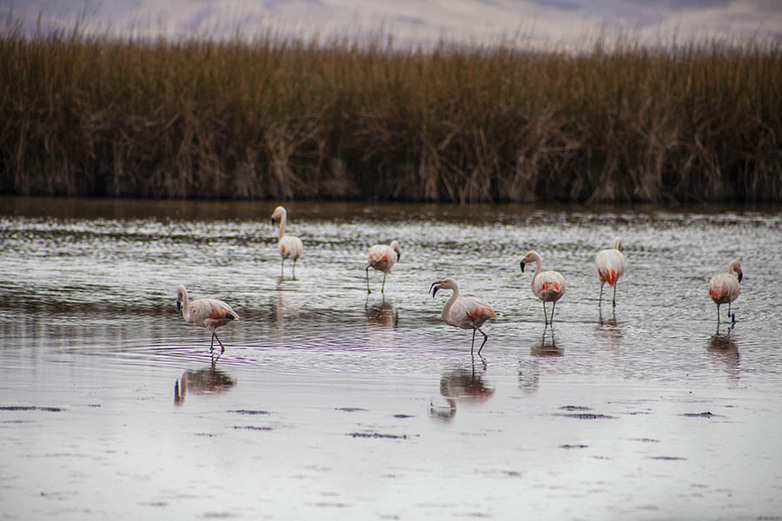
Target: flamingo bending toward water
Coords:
[[290, 246], [464, 312], [382, 257], [610, 266], [548, 286], [206, 312], [724, 288]]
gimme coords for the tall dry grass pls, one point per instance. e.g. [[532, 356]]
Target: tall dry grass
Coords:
[[85, 115]]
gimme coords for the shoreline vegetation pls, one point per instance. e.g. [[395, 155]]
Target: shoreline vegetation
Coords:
[[279, 119]]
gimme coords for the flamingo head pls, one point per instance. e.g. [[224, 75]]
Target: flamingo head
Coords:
[[618, 244], [397, 249], [181, 296], [735, 267], [528, 258], [447, 283], [278, 214]]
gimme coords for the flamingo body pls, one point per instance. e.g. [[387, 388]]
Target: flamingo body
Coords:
[[290, 246], [610, 266], [464, 312], [724, 288], [208, 313], [382, 257], [548, 286]]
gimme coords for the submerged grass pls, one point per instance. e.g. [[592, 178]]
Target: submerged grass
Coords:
[[282, 119]]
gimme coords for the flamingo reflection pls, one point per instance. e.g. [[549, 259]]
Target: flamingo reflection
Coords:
[[460, 385], [607, 330], [202, 381], [544, 348], [381, 314], [529, 378], [723, 348]]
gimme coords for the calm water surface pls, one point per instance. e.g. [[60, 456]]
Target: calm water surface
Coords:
[[333, 404]]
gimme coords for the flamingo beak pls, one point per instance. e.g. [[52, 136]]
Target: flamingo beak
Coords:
[[741, 276], [522, 266], [398, 257], [433, 288], [179, 305]]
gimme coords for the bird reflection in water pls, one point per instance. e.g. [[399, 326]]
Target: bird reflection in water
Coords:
[[285, 306], [546, 347], [202, 381], [529, 378], [462, 385], [723, 349], [381, 314], [608, 331]]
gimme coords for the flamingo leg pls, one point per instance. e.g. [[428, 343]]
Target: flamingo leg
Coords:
[[553, 305], [282, 268], [545, 313], [718, 316], [732, 316], [600, 299], [472, 346], [294, 270], [614, 295], [367, 274], [485, 338], [383, 288]]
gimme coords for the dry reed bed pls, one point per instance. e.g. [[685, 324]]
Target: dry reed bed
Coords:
[[88, 115]]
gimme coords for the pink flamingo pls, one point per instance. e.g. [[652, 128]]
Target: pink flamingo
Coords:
[[610, 266], [548, 286], [290, 246], [382, 257], [724, 288], [464, 312], [206, 312]]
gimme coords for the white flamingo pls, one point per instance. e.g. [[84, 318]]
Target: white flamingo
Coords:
[[206, 312], [548, 286], [724, 288], [290, 246], [464, 312], [382, 257], [610, 266]]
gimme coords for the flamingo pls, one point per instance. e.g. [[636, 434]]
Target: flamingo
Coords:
[[382, 257], [724, 288], [548, 286], [610, 266], [464, 312], [290, 246], [205, 312]]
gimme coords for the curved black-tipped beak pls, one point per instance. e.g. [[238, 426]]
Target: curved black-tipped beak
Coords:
[[433, 289], [398, 256], [178, 305], [272, 221], [741, 276], [522, 266]]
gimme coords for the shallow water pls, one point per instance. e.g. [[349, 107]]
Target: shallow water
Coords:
[[331, 403]]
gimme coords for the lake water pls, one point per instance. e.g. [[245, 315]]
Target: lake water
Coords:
[[333, 404]]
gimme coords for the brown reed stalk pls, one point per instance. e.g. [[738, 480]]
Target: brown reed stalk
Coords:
[[277, 118]]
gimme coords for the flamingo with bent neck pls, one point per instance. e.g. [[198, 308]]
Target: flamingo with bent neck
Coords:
[[464, 312], [548, 286]]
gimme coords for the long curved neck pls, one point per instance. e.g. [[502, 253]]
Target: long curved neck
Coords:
[[446, 314], [283, 218], [185, 305], [537, 270]]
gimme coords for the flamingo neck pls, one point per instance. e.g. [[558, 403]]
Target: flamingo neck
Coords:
[[537, 271], [282, 225], [448, 305], [185, 306]]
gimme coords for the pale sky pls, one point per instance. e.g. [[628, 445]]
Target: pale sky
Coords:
[[484, 21]]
